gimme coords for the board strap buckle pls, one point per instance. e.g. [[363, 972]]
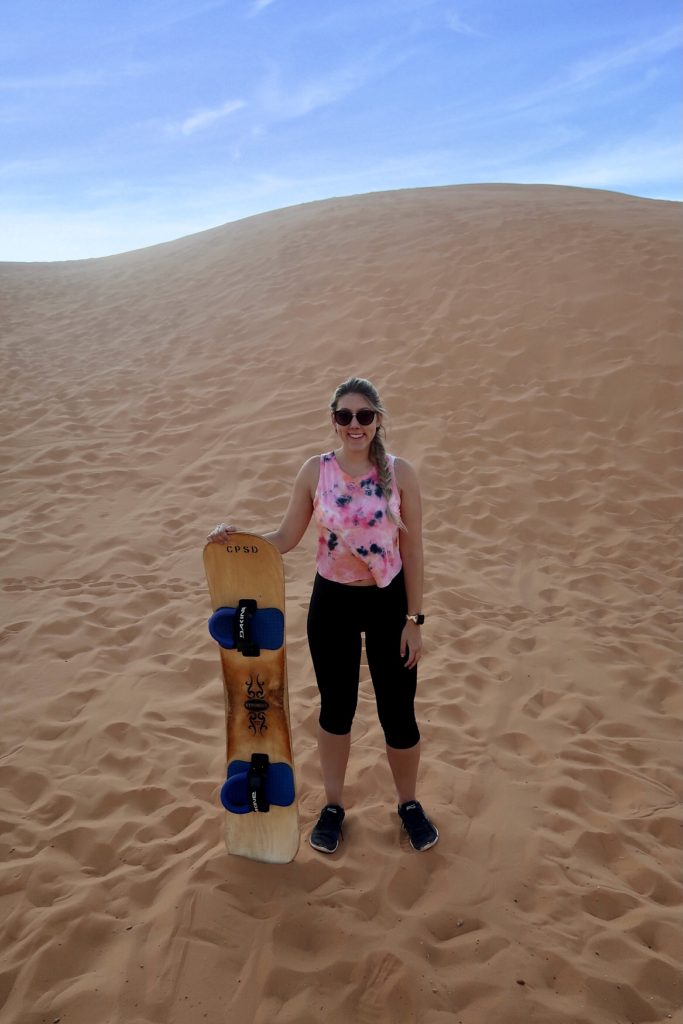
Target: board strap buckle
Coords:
[[244, 638], [257, 778]]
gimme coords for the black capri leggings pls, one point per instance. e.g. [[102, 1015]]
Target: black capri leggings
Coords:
[[337, 616]]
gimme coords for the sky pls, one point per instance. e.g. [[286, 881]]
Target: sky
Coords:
[[132, 122]]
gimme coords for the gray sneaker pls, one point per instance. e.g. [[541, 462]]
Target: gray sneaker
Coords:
[[328, 829], [421, 832]]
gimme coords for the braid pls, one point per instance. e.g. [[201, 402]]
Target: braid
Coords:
[[377, 453]]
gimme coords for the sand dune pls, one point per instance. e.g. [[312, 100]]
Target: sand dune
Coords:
[[527, 341]]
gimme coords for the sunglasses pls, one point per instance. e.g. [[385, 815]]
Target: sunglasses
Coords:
[[364, 417]]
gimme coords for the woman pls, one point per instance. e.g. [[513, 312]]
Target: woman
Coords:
[[367, 509]]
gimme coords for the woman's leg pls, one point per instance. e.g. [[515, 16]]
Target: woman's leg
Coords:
[[404, 765], [335, 643], [395, 687], [333, 752]]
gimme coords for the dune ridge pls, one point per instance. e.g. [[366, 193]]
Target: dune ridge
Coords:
[[527, 342]]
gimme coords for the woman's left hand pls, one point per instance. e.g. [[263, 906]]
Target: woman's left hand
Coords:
[[411, 643]]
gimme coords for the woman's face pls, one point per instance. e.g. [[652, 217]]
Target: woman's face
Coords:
[[355, 436]]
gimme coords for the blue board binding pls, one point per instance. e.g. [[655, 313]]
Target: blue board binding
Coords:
[[255, 786], [248, 629]]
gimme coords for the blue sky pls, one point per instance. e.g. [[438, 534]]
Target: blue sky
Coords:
[[131, 122]]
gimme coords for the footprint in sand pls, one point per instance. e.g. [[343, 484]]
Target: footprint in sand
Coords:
[[382, 980], [521, 644]]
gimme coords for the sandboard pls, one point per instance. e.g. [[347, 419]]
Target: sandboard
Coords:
[[246, 584]]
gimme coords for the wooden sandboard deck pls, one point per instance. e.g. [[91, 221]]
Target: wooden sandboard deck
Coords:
[[256, 695]]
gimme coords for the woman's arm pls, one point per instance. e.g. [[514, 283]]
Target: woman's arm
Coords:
[[410, 546], [300, 508], [297, 516]]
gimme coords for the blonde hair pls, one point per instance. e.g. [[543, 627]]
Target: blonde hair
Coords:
[[378, 452]]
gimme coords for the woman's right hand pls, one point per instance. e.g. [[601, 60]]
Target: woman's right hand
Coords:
[[220, 533]]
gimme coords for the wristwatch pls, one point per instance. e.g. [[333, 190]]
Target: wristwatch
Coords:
[[417, 619]]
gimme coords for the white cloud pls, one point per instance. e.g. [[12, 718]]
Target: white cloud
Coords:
[[456, 24], [282, 102], [72, 79], [35, 167], [307, 97], [159, 15], [645, 51], [630, 165], [260, 5], [206, 118], [571, 85], [75, 78]]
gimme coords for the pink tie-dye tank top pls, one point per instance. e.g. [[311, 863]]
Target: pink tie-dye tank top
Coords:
[[356, 538]]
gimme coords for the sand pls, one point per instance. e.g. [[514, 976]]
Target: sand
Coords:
[[527, 341]]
